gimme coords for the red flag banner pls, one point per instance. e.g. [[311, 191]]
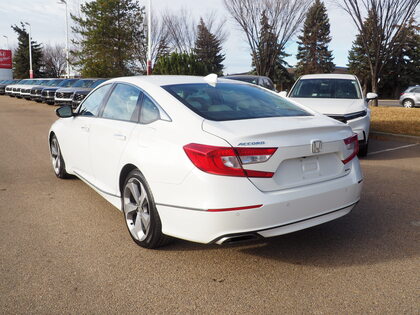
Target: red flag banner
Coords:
[[5, 59]]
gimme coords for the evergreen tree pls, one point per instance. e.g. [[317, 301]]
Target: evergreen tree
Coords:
[[313, 55], [21, 55], [208, 49], [403, 69], [400, 71], [180, 64], [110, 33], [281, 77], [268, 50], [358, 58]]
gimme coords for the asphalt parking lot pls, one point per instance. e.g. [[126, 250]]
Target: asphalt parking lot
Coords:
[[64, 249]]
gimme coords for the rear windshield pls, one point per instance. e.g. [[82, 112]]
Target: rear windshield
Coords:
[[326, 88], [230, 101]]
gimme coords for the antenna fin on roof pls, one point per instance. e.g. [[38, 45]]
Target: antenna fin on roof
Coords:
[[211, 79]]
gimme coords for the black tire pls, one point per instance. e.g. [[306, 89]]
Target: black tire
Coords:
[[57, 159], [137, 209], [363, 148]]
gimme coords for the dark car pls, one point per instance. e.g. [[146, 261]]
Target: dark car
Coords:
[[36, 91], [48, 93], [64, 96], [5, 83], [254, 79], [81, 93], [25, 92]]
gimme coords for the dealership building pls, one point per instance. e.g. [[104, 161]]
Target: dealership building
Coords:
[[6, 64]]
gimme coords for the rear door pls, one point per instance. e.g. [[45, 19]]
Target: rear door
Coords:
[[109, 135]]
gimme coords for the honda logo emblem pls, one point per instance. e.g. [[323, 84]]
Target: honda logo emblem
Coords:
[[316, 146]]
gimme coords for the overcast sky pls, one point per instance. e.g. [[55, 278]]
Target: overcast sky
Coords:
[[47, 18]]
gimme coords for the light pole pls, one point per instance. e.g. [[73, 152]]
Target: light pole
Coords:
[[7, 41], [67, 40], [149, 39], [31, 73]]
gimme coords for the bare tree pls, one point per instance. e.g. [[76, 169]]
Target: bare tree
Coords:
[[283, 16], [181, 28], [54, 60], [390, 16]]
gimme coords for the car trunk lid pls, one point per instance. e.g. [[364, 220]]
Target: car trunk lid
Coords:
[[310, 149]]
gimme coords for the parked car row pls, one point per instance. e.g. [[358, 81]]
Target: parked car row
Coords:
[[52, 91]]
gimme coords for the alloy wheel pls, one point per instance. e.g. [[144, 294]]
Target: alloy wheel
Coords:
[[408, 103], [136, 209], [55, 155]]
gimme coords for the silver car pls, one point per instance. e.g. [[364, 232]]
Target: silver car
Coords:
[[411, 97]]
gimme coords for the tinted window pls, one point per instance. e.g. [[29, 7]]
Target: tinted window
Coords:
[[267, 83], [56, 82], [83, 83], [326, 88], [416, 90], [229, 101], [91, 105], [97, 82], [253, 80], [68, 83], [149, 111], [122, 104]]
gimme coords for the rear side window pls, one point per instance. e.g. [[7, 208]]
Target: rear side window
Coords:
[[122, 103], [229, 101], [92, 104], [149, 111]]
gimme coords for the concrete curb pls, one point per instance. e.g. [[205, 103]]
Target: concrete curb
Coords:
[[393, 137]]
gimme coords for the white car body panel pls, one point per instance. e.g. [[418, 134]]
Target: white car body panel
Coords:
[[97, 149], [339, 107]]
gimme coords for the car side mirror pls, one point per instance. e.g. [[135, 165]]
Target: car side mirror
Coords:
[[283, 93], [64, 111], [371, 96]]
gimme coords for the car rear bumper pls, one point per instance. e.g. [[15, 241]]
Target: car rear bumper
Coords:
[[281, 212]]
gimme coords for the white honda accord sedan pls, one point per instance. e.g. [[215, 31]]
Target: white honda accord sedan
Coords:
[[207, 160]]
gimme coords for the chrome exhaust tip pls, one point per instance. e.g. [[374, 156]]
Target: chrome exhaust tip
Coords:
[[234, 239]]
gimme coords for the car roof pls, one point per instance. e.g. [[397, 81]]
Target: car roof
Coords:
[[328, 76], [161, 80]]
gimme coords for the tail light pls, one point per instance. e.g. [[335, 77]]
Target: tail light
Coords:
[[352, 146], [228, 161]]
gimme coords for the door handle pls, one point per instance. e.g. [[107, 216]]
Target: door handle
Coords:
[[119, 137], [85, 128]]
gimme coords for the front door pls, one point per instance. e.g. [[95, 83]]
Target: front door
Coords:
[[110, 134]]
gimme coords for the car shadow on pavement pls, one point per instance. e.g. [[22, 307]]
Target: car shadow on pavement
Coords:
[[380, 228]]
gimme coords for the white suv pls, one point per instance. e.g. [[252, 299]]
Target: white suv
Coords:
[[338, 96]]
